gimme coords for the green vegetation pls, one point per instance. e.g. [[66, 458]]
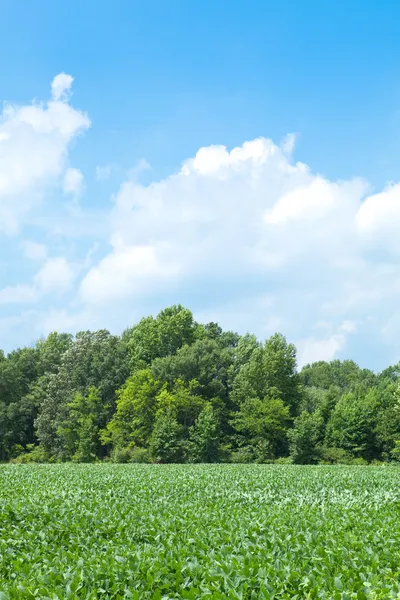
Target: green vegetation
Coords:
[[172, 390], [199, 531]]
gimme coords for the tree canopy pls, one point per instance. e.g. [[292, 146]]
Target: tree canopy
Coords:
[[170, 389]]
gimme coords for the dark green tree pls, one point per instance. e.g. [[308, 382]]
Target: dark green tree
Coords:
[[262, 425], [166, 443], [352, 424], [80, 431], [137, 404], [95, 359], [204, 437], [272, 365], [160, 336], [305, 438]]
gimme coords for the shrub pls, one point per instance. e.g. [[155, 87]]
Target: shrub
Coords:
[[395, 453], [335, 455], [36, 454], [284, 460], [131, 454], [242, 455], [358, 461]]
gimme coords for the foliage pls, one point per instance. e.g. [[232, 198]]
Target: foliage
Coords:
[[305, 438], [272, 365], [85, 417], [161, 336], [35, 454], [264, 424], [131, 454], [166, 444], [204, 437], [227, 397], [135, 411], [199, 532], [95, 359], [352, 424]]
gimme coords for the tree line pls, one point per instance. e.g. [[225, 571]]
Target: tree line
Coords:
[[170, 389]]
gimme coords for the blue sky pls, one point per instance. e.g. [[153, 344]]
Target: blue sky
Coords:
[[117, 196]]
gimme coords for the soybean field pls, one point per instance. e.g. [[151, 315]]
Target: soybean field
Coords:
[[199, 531]]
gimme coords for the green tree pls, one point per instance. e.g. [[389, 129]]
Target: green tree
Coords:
[[272, 365], [345, 375], [95, 359], [134, 418], [352, 424], [305, 438], [204, 437], [80, 431], [18, 372], [161, 336], [204, 361], [167, 438], [387, 427], [183, 401], [263, 425]]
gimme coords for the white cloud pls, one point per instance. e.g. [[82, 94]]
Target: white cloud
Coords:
[[312, 349], [313, 201], [288, 143], [63, 320], [379, 217], [55, 277], [249, 237], [73, 182], [17, 294], [34, 143], [61, 86], [34, 250], [123, 273], [239, 226], [242, 212]]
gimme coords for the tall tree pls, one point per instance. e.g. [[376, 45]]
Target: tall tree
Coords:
[[161, 336], [137, 403], [95, 359], [305, 438], [272, 365], [204, 437], [166, 441], [352, 424], [262, 424], [80, 430]]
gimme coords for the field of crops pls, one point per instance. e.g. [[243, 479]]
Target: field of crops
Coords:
[[223, 531]]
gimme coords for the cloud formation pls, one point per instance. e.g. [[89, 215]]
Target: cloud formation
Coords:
[[34, 143], [54, 277], [251, 223], [73, 182], [249, 237]]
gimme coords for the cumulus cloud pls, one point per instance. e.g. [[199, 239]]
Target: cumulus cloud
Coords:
[[314, 349], [61, 86], [17, 294], [55, 277], [125, 271], [34, 250], [245, 212], [34, 143], [248, 236], [378, 219], [248, 223], [73, 182]]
